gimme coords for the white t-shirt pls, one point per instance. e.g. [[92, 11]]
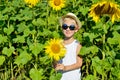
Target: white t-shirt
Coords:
[[69, 59]]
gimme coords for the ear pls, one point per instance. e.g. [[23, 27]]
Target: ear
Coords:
[[77, 29]]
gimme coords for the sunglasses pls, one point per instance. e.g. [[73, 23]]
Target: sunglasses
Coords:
[[71, 27]]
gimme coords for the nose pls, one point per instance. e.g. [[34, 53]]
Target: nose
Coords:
[[68, 29]]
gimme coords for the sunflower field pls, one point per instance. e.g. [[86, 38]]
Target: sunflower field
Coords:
[[26, 26]]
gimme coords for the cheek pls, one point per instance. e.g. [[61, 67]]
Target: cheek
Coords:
[[63, 31]]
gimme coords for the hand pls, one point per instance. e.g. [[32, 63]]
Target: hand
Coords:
[[59, 67]]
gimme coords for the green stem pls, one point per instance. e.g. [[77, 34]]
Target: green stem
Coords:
[[102, 76], [74, 3], [94, 73], [103, 41], [103, 52], [20, 73], [5, 77], [87, 66], [103, 55], [57, 19], [36, 61], [12, 71], [8, 24], [47, 20]]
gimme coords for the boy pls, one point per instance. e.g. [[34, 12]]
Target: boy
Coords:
[[71, 63]]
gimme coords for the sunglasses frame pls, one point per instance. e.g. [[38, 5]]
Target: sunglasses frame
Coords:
[[71, 27]]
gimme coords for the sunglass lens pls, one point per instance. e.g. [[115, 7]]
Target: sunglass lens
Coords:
[[64, 26], [72, 27]]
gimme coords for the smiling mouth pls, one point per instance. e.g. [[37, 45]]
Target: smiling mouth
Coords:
[[67, 32]]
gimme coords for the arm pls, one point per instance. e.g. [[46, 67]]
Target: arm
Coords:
[[77, 65]]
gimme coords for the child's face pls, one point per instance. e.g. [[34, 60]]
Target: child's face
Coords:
[[69, 27]]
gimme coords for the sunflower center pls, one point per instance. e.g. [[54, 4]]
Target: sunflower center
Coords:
[[57, 2], [55, 48]]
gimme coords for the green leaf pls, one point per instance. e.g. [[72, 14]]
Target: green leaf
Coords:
[[52, 19], [33, 32], [44, 60], [19, 39], [95, 61], [89, 77], [5, 17], [94, 49], [116, 34], [38, 22], [9, 30], [115, 39], [23, 58], [25, 14], [116, 72], [111, 53], [8, 51], [97, 65], [3, 39], [84, 10], [116, 27], [56, 76], [55, 34], [27, 32], [84, 50], [91, 36], [8, 10], [100, 70], [106, 64], [46, 32], [36, 48], [117, 63], [21, 27], [2, 59], [111, 41], [36, 74]]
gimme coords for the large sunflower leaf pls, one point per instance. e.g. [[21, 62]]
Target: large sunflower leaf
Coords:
[[36, 74], [8, 51], [36, 48], [56, 76], [23, 58], [9, 30]]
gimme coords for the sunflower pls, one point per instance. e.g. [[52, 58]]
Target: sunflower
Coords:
[[105, 7], [55, 49], [31, 3], [57, 4]]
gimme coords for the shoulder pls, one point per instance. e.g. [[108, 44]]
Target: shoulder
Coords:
[[78, 44]]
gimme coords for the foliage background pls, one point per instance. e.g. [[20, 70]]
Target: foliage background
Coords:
[[24, 31]]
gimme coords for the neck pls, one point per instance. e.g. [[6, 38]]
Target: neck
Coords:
[[68, 40]]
